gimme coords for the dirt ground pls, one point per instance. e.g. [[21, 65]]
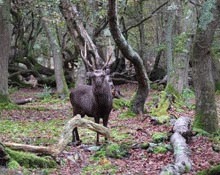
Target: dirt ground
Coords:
[[77, 160]]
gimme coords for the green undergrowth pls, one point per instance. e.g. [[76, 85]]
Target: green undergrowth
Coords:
[[100, 160], [201, 132], [161, 102], [214, 170], [159, 146], [88, 136], [120, 103], [101, 167], [123, 105], [119, 135], [8, 106], [34, 132], [47, 96], [112, 150], [158, 137], [159, 107], [127, 114], [160, 149]]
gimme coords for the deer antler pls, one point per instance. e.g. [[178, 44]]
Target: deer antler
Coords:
[[106, 63], [84, 57]]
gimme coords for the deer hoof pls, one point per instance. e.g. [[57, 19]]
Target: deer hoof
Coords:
[[98, 143], [76, 143]]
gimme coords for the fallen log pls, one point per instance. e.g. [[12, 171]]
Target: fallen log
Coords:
[[23, 101], [29, 148], [77, 121], [182, 162], [183, 127], [54, 150]]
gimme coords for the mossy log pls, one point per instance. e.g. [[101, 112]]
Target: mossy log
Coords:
[[4, 158], [183, 127], [14, 159], [182, 162], [54, 150], [28, 160], [29, 148]]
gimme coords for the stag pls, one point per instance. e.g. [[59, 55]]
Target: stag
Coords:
[[93, 100]]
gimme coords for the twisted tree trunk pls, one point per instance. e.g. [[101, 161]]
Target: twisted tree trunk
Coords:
[[141, 74]]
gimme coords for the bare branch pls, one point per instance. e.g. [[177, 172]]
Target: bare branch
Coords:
[[145, 19]]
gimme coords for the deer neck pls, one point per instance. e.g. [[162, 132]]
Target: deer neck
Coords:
[[102, 94]]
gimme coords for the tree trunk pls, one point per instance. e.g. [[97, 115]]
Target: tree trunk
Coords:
[[206, 114], [130, 54], [178, 49], [4, 48], [169, 43], [185, 28], [61, 85]]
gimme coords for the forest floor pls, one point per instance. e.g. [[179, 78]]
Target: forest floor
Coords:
[[41, 122]]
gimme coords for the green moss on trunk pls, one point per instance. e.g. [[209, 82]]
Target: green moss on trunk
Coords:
[[206, 122], [4, 99], [29, 160]]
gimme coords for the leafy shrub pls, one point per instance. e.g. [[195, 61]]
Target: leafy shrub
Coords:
[[158, 137], [120, 103]]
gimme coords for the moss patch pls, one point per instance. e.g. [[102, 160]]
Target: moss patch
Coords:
[[163, 105], [206, 14], [103, 166], [120, 103], [4, 99], [158, 148], [29, 160], [158, 137], [8, 106], [127, 114], [13, 164], [117, 151], [35, 133], [215, 170]]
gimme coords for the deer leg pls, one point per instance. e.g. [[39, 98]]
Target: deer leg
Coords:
[[97, 136], [105, 123], [75, 137]]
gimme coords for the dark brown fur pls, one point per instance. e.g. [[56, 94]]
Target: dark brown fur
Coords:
[[93, 101]]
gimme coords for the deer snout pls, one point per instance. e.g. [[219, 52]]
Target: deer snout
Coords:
[[99, 81]]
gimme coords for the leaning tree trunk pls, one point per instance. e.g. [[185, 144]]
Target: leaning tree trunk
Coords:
[[130, 54], [61, 85], [77, 30], [206, 114], [4, 48]]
